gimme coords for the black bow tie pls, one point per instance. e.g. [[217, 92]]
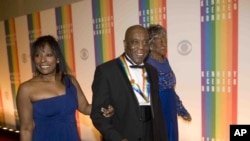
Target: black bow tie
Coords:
[[134, 65], [137, 66]]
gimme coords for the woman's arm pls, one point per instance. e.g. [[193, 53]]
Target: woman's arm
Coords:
[[83, 105], [24, 108], [182, 111]]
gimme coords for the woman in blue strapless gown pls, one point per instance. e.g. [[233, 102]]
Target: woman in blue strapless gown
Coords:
[[55, 117], [47, 103], [171, 104]]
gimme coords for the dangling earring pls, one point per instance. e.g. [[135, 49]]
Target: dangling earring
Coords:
[[57, 61], [150, 48]]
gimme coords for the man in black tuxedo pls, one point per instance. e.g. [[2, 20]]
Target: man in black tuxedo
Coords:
[[131, 86]]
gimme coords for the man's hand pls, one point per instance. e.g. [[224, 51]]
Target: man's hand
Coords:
[[108, 112]]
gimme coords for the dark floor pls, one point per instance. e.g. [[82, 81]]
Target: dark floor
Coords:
[[6, 135]]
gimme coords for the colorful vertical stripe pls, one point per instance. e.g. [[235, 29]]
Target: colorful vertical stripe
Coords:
[[2, 119], [65, 34], [234, 60], [34, 28], [219, 67], [153, 12], [103, 29], [10, 33], [66, 40]]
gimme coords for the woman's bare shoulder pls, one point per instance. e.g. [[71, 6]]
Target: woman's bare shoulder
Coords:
[[27, 85]]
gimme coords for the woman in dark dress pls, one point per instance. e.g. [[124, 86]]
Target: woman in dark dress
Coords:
[[171, 104], [47, 103]]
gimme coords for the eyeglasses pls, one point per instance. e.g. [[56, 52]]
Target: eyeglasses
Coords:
[[137, 43]]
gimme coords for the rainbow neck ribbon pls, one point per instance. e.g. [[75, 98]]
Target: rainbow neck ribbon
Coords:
[[145, 92]]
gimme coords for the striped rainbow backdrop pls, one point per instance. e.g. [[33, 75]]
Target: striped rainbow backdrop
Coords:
[[10, 33], [65, 34], [152, 12], [103, 29], [34, 28], [219, 67]]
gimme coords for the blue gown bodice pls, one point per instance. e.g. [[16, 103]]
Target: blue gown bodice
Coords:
[[55, 117]]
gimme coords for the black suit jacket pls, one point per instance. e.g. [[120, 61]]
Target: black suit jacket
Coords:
[[112, 86]]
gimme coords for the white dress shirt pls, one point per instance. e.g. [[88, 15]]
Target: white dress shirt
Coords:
[[136, 74]]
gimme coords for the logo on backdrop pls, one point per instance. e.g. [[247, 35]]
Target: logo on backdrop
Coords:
[[84, 54], [24, 58], [184, 47]]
